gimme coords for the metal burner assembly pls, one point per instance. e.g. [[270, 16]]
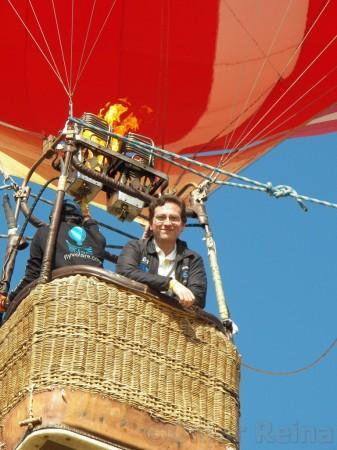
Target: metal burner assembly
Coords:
[[121, 166]]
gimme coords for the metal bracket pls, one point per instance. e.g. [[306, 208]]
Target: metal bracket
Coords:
[[198, 198], [22, 192], [31, 422]]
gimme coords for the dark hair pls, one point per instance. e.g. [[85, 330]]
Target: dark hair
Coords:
[[70, 212], [161, 201], [71, 208]]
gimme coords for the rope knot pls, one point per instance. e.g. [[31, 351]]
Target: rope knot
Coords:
[[283, 190], [279, 191]]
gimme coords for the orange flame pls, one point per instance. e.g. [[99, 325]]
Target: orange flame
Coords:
[[112, 115]]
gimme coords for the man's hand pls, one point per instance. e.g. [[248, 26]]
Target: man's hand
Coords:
[[2, 303], [185, 295]]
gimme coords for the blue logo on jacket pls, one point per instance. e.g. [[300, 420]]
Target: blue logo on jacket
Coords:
[[78, 234], [144, 264]]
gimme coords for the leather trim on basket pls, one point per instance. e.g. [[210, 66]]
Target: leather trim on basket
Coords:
[[110, 277]]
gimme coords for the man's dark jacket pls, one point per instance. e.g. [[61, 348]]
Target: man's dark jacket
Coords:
[[139, 261], [76, 244]]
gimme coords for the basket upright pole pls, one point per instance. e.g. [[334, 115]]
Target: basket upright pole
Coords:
[[56, 216], [198, 197]]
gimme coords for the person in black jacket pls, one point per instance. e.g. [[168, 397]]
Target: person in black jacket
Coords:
[[79, 241], [163, 261]]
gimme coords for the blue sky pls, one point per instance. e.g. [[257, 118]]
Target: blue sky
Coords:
[[279, 272]]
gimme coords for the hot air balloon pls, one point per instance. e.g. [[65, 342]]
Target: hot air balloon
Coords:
[[220, 83], [223, 82]]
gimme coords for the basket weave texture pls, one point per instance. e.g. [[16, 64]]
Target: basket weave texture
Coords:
[[85, 334]]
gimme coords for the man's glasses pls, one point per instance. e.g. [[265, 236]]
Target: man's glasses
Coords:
[[161, 218]]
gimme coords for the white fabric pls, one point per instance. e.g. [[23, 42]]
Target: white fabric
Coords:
[[166, 265]]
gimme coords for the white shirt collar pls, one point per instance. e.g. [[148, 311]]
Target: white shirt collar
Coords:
[[171, 256]]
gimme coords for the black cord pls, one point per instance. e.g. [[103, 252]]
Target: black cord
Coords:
[[117, 231], [295, 371], [23, 228]]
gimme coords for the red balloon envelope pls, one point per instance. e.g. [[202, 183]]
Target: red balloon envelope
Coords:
[[221, 81]]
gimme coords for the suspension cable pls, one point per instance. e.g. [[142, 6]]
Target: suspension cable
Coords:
[[292, 56], [285, 92], [85, 43], [228, 156], [71, 46], [38, 45], [264, 61], [80, 73], [61, 47], [295, 371], [45, 39], [275, 191]]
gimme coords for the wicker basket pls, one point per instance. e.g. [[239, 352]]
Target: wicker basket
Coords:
[[88, 335]]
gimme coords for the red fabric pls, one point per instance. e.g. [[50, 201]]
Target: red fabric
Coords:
[[199, 75]]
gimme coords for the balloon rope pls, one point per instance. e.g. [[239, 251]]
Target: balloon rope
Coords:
[[61, 48], [238, 109], [38, 46], [244, 133], [163, 68], [159, 152], [277, 191], [285, 93], [231, 155], [288, 118], [274, 191], [45, 40], [265, 60], [85, 44], [317, 98], [80, 73], [71, 45], [246, 106], [326, 93], [284, 111]]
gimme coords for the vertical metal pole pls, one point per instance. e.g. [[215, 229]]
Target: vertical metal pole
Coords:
[[56, 218], [25, 190], [10, 249], [198, 206], [12, 219], [216, 275]]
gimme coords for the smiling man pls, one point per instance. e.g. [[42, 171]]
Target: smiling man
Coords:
[[163, 261]]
